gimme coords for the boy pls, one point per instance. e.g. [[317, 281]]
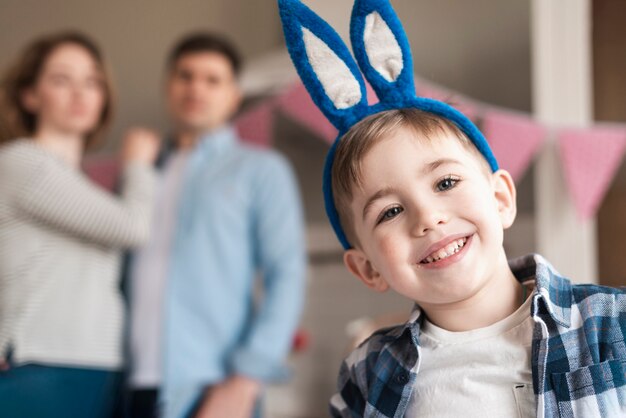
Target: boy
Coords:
[[416, 198], [426, 218]]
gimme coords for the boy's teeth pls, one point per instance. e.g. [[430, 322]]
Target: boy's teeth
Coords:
[[450, 249]]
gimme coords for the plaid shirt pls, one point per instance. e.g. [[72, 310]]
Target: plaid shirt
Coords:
[[578, 354]]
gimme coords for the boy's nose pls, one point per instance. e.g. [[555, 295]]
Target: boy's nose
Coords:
[[426, 220]]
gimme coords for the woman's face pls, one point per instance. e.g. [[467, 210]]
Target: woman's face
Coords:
[[69, 95]]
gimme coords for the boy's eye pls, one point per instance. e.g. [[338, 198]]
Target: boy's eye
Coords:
[[447, 183], [390, 214]]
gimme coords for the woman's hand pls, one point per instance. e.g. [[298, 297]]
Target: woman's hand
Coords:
[[140, 145]]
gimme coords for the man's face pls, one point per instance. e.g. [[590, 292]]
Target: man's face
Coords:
[[202, 91], [429, 218]]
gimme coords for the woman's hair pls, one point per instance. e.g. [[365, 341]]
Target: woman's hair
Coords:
[[17, 121]]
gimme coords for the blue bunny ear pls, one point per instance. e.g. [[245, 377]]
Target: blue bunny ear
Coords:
[[324, 64], [382, 50]]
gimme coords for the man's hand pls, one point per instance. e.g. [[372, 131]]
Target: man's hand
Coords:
[[233, 398]]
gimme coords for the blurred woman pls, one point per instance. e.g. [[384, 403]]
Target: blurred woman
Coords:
[[61, 237]]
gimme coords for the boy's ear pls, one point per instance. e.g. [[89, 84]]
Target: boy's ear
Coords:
[[505, 194], [359, 265]]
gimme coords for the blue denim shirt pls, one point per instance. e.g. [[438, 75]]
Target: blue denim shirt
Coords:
[[239, 220], [578, 354]]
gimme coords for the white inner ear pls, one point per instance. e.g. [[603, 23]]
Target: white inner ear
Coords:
[[339, 83], [382, 48]]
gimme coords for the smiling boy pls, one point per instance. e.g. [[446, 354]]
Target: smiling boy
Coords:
[[425, 216]]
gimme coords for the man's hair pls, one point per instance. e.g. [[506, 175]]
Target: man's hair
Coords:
[[17, 121], [205, 42], [361, 138]]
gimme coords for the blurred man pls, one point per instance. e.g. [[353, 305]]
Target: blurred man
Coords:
[[202, 342]]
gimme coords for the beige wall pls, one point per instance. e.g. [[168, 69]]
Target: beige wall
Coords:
[[480, 47]]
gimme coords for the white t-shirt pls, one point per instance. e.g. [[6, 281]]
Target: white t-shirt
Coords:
[[148, 280], [480, 373]]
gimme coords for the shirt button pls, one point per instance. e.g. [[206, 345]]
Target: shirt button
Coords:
[[402, 378]]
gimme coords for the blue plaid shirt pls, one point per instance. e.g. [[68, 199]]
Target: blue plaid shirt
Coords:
[[578, 354]]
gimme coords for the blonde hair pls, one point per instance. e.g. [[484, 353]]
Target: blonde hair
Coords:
[[17, 121], [362, 137]]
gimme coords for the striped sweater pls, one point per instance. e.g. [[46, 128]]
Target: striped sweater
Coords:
[[61, 239]]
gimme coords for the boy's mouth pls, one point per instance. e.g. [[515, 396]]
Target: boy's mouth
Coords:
[[446, 251]]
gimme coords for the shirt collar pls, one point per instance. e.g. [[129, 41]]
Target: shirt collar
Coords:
[[209, 145], [551, 289], [216, 141]]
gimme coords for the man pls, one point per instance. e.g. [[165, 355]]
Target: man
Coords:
[[227, 214]]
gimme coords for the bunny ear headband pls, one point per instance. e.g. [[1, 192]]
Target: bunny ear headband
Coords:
[[334, 80]]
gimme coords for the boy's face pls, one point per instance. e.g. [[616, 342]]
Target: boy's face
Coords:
[[429, 218]]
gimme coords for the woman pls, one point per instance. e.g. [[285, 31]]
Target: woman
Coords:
[[61, 237]]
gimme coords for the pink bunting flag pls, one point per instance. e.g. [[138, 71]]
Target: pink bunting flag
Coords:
[[104, 171], [297, 103], [447, 96], [256, 125], [514, 139], [372, 97], [590, 160]]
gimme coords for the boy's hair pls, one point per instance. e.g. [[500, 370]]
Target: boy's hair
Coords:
[[205, 42], [359, 140]]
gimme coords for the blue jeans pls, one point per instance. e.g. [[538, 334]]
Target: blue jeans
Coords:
[[57, 392]]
